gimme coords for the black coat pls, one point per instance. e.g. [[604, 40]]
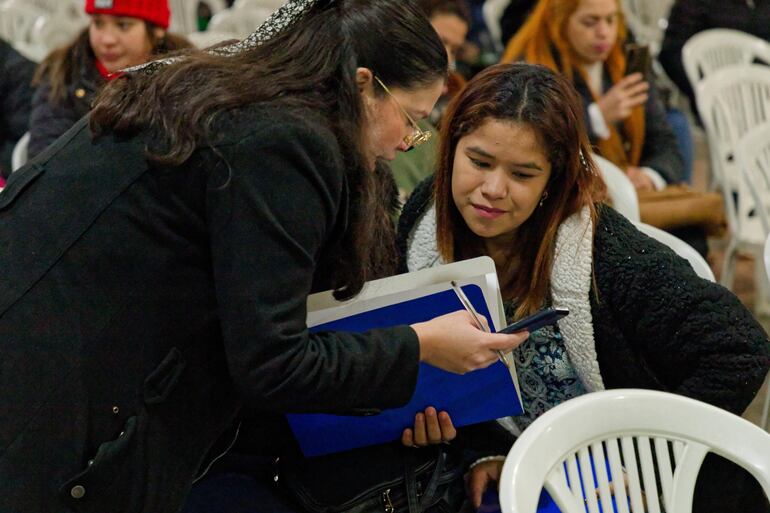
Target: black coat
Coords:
[[49, 119], [660, 151], [658, 326], [15, 101], [142, 307], [688, 17]]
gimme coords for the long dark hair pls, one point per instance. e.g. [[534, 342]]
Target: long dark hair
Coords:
[[548, 104], [311, 65], [62, 66]]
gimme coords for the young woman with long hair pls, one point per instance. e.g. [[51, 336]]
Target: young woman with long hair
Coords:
[[516, 181]]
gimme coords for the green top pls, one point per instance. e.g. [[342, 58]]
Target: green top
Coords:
[[412, 167]]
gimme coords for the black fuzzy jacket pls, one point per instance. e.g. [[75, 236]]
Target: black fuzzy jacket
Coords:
[[143, 307], [657, 325]]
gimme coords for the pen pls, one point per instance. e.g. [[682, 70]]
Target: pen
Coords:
[[469, 308]]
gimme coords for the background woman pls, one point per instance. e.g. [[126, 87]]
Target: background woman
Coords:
[[583, 40], [515, 182], [121, 34], [159, 259]]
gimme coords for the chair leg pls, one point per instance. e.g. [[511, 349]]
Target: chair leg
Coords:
[[728, 266], [761, 285], [766, 406]]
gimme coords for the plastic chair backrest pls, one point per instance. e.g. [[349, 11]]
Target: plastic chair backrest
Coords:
[[648, 21], [651, 438], [620, 189], [209, 38], [753, 157], [732, 101], [241, 22], [54, 31], [19, 155], [713, 49], [492, 11], [681, 248], [17, 19], [184, 14], [272, 5]]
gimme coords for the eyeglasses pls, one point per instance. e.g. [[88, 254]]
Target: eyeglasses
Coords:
[[419, 136]]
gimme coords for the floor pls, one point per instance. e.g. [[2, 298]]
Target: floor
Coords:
[[743, 287]]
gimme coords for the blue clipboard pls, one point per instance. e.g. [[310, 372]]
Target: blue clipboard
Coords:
[[475, 397]]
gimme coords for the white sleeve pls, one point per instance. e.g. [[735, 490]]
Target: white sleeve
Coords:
[[598, 123]]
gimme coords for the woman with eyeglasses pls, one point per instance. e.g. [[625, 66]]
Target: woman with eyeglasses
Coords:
[[158, 259]]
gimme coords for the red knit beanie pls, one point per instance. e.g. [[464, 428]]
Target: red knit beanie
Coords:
[[154, 11]]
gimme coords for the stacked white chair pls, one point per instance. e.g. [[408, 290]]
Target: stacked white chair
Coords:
[[492, 10], [19, 155], [733, 101], [17, 22], [655, 440], [754, 160], [209, 38], [184, 14], [648, 21], [272, 5], [714, 49], [681, 248], [239, 21], [619, 188]]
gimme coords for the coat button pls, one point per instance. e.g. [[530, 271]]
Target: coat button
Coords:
[[80, 92], [78, 492], [115, 410]]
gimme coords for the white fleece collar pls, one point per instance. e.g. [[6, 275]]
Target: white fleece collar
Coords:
[[570, 284]]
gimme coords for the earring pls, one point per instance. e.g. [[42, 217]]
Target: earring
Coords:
[[543, 198]]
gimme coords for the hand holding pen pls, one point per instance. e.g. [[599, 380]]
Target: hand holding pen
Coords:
[[454, 342]]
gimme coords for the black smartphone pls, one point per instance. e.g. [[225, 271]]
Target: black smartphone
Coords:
[[638, 60], [537, 320]]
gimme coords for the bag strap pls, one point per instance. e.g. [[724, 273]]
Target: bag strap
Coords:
[[414, 503]]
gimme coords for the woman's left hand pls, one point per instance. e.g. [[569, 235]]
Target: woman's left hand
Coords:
[[481, 477], [430, 427]]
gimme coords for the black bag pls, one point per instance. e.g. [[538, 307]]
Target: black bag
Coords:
[[388, 478]]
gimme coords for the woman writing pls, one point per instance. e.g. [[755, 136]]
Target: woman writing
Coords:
[[515, 181], [196, 208]]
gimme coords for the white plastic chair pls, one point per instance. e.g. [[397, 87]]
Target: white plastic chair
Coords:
[[19, 156], [492, 10], [272, 5], [711, 50], [620, 189], [209, 38], [766, 406], [241, 22], [732, 101], [681, 248], [627, 432], [647, 20], [17, 18], [184, 14], [754, 160]]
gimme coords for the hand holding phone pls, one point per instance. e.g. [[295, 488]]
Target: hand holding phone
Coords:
[[638, 60], [534, 322]]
